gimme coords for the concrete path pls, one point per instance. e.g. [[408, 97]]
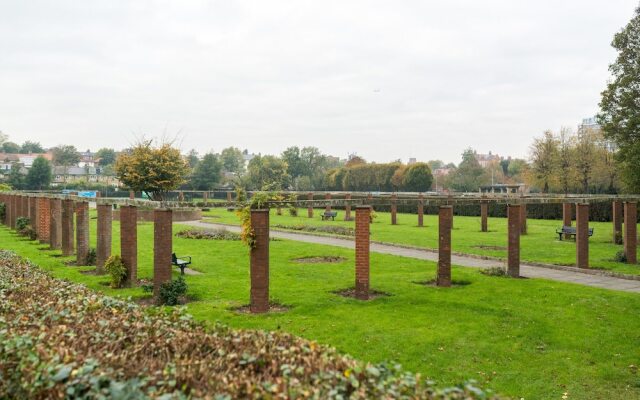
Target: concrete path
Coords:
[[528, 271]]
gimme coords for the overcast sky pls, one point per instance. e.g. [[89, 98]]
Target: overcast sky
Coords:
[[383, 79]]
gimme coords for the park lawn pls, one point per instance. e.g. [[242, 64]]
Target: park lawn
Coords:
[[540, 244], [526, 338]]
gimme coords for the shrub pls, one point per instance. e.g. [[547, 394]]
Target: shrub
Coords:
[[494, 271], [21, 223], [91, 257], [216, 234], [333, 229], [29, 232], [620, 256], [115, 267], [170, 292], [293, 210]]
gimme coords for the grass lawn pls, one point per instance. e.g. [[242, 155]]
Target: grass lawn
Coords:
[[522, 337], [541, 244]]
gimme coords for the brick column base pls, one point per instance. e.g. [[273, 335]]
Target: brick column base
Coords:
[[582, 235], [44, 210], [394, 210], [484, 216], [67, 226], [104, 236], [82, 233], [362, 252], [420, 210], [129, 243], [513, 241]]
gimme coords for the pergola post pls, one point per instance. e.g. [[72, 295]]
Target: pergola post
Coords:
[[347, 207], [129, 243], [104, 236], [616, 217], [328, 206], [513, 242], [420, 210], [582, 235], [630, 231], [310, 206], [162, 248], [394, 209], [44, 211], [484, 216], [362, 251], [55, 224], [260, 262], [445, 218], [67, 226], [82, 232], [523, 219]]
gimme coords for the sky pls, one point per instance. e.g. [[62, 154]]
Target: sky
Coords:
[[385, 80]]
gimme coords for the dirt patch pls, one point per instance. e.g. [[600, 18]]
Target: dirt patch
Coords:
[[319, 259], [483, 247], [432, 282], [351, 293], [273, 308]]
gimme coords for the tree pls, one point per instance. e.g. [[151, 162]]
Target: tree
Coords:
[[295, 166], [565, 160], [544, 158], [106, 156], [355, 160], [268, 172], [192, 158], [620, 108], [232, 160], [65, 155], [417, 178], [469, 175], [585, 158], [16, 178], [152, 170], [206, 174], [39, 175], [29, 147], [10, 147]]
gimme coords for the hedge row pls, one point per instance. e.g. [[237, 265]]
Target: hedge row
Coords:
[[61, 340]]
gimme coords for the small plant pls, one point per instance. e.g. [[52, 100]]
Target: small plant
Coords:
[[29, 232], [115, 267], [620, 256], [170, 292], [21, 223], [494, 271], [241, 194], [91, 257], [372, 215], [216, 234], [293, 210], [147, 287], [259, 201]]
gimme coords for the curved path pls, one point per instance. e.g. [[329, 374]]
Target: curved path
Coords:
[[526, 270]]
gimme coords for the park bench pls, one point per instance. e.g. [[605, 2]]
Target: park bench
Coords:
[[329, 214], [569, 231], [180, 262]]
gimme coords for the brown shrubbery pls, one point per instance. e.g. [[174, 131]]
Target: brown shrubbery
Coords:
[[59, 339]]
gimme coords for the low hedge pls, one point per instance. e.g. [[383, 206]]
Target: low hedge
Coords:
[[61, 340]]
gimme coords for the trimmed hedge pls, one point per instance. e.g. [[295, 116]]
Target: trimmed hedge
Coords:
[[61, 340]]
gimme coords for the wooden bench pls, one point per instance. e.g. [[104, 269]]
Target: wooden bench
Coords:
[[180, 262], [569, 231], [329, 214]]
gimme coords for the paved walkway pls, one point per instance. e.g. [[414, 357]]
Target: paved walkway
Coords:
[[528, 271]]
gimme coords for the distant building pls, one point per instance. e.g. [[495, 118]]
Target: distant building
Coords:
[[87, 159], [486, 160], [442, 171]]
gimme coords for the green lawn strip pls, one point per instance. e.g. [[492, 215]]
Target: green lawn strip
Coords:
[[540, 245], [525, 337]]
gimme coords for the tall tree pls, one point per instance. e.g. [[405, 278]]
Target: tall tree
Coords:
[[232, 160], [620, 108], [10, 147], [154, 170], [585, 158], [29, 147], [206, 174], [106, 156], [192, 158], [268, 172], [16, 178], [65, 155], [544, 158], [468, 177], [39, 175], [566, 171], [418, 178]]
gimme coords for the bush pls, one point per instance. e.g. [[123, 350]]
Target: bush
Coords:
[[115, 267], [293, 210], [29, 232], [333, 229], [21, 223], [170, 292], [91, 257], [494, 271], [620, 256], [216, 234]]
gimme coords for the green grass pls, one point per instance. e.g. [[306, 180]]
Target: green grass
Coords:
[[540, 244], [526, 338]]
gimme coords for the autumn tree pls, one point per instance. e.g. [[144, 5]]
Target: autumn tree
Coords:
[[544, 158], [620, 108], [154, 170]]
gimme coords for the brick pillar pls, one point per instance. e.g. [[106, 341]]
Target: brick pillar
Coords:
[[513, 240], [394, 209], [103, 239], [484, 216], [33, 213], [205, 197], [523, 219], [630, 232], [18, 206], [310, 207], [25, 206], [582, 235], [82, 232], [420, 210], [162, 248], [229, 199], [362, 252], [44, 210], [67, 226], [129, 243], [347, 207], [617, 222], [180, 196], [327, 197], [260, 262], [55, 224], [11, 211], [132, 194], [445, 217], [567, 216]]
